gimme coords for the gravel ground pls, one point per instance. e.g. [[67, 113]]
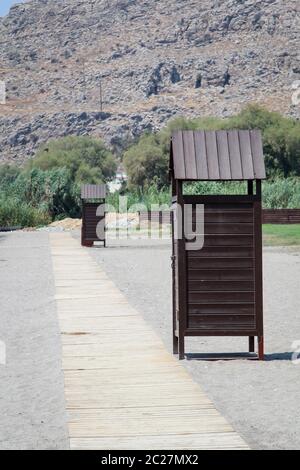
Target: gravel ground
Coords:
[[32, 404], [260, 399]]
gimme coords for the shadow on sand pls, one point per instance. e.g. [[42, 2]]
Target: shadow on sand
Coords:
[[284, 356]]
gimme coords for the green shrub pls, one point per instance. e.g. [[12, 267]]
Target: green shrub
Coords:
[[8, 174], [87, 159], [146, 163], [148, 197], [147, 160], [14, 212]]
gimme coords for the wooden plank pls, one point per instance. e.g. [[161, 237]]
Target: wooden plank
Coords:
[[204, 441], [220, 263], [222, 323], [257, 154], [203, 285], [223, 152], [220, 296], [242, 274], [189, 155], [246, 155], [228, 240], [201, 158], [221, 216], [235, 155], [212, 155], [222, 252], [224, 309], [178, 155], [122, 389]]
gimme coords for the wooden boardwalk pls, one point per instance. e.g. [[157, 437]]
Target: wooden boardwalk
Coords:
[[123, 389]]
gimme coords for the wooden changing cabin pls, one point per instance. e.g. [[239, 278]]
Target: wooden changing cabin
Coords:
[[92, 196], [218, 289]]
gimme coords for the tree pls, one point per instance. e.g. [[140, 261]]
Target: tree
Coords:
[[87, 158], [146, 161]]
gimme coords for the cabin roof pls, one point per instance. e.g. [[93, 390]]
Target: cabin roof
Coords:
[[93, 191], [217, 155]]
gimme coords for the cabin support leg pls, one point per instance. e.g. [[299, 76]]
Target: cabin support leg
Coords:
[[261, 353], [181, 346], [175, 343], [251, 344], [87, 243]]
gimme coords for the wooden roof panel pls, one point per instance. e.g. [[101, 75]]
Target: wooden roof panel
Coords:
[[93, 191], [217, 155]]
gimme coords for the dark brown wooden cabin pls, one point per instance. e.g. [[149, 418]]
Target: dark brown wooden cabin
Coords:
[[92, 196], [218, 290]]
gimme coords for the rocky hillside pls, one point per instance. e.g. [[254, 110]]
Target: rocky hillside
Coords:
[[114, 68]]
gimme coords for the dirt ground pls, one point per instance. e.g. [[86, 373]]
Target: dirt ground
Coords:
[[260, 399]]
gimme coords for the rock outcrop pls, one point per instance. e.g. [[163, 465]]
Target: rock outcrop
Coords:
[[114, 68]]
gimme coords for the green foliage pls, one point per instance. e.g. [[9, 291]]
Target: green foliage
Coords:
[[148, 158], [213, 187], [282, 193], [52, 191], [87, 159], [49, 185], [288, 235], [146, 163], [279, 193], [148, 197], [8, 174], [14, 212]]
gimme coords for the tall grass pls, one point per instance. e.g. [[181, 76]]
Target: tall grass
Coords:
[[14, 212], [137, 199], [276, 194]]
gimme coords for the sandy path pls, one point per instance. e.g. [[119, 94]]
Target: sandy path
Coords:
[[32, 404]]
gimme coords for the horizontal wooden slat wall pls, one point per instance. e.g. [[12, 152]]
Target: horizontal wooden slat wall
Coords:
[[220, 276], [270, 216], [90, 222]]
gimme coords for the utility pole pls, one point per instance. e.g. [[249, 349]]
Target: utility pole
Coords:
[[100, 95], [84, 80]]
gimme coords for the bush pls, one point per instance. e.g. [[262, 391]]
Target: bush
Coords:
[[14, 212], [49, 185], [8, 174], [53, 191], [151, 195], [147, 160], [87, 159], [146, 163], [280, 193]]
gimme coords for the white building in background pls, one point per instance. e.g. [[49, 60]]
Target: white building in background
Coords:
[[120, 178]]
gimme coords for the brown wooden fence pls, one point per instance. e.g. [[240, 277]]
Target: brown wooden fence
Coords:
[[270, 216], [281, 216]]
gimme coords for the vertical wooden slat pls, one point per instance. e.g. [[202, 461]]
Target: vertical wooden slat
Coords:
[[189, 155], [178, 155], [246, 155], [258, 259], [257, 154], [223, 151], [182, 278], [212, 155], [234, 155], [201, 157], [174, 275]]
